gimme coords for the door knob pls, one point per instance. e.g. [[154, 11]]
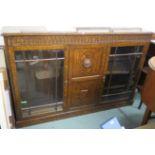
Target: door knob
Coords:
[[87, 62], [84, 90]]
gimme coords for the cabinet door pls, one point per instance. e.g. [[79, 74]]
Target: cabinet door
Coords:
[[85, 61], [84, 92], [121, 72], [40, 75]]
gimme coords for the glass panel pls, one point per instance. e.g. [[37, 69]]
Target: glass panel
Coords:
[[19, 55], [116, 83], [122, 70], [40, 82], [120, 96], [61, 54], [36, 54], [119, 64], [123, 64], [21, 76], [60, 81], [126, 49]]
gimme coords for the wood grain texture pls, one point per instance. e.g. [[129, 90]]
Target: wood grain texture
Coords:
[[146, 117], [153, 36], [148, 90], [66, 39], [82, 85], [84, 92], [79, 55]]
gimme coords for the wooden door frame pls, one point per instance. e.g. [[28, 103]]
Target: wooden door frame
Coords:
[[142, 59], [13, 73]]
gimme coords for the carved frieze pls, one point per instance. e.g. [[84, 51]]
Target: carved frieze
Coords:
[[35, 40]]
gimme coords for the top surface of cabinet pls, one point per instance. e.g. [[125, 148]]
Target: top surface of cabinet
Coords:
[[47, 39]]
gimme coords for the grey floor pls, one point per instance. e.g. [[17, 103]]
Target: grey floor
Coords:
[[128, 116]]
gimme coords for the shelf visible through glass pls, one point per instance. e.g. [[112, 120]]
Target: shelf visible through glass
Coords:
[[40, 78]]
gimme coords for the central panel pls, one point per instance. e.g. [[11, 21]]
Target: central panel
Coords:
[[85, 61], [85, 75]]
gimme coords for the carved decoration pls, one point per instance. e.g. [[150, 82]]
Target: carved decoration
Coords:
[[35, 40], [84, 93], [85, 61]]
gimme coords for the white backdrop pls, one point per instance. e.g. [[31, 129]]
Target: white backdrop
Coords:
[[64, 15]]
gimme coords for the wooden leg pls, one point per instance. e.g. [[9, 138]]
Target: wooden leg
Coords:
[[146, 116], [140, 104]]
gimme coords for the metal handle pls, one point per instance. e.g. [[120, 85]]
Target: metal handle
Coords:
[[84, 90], [87, 62]]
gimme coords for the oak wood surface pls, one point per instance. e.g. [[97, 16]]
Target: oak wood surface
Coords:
[[148, 95], [82, 82]]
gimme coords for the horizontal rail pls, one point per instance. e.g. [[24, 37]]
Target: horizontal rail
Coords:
[[43, 106], [117, 94], [38, 60], [86, 77], [129, 54]]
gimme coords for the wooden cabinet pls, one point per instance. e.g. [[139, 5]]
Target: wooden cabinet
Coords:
[[53, 76]]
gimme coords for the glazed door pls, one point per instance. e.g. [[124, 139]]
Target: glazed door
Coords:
[[121, 75], [40, 78]]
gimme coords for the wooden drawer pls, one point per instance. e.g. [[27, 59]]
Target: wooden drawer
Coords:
[[84, 92], [85, 61]]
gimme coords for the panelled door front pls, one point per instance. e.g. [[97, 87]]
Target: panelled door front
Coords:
[[86, 66]]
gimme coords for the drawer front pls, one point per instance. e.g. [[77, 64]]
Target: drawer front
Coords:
[[84, 92], [85, 61]]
